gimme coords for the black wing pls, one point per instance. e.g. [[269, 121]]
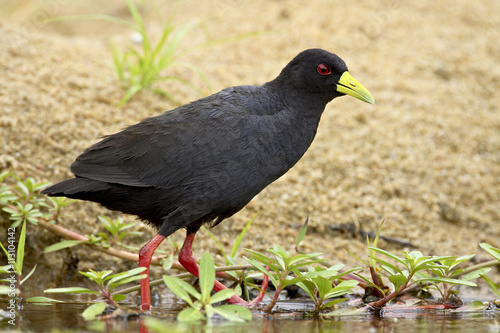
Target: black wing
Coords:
[[181, 147]]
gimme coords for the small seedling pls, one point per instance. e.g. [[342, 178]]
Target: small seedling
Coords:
[[445, 272], [106, 282], [117, 228], [203, 308], [279, 269], [414, 265], [321, 284], [23, 202]]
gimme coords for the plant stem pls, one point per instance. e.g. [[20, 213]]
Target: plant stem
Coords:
[[271, 305], [386, 299], [472, 268], [68, 234]]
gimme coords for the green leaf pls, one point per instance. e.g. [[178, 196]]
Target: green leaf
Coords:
[[387, 264], [5, 174], [432, 260], [221, 248], [461, 259], [181, 289], [398, 280], [491, 250], [92, 311], [240, 237], [168, 262], [301, 257], [116, 278], [257, 265], [370, 283], [221, 295], [97, 277], [307, 263], [339, 292], [377, 235], [29, 274], [207, 277], [271, 263], [41, 299], [323, 285], [289, 280], [20, 249], [476, 274], [7, 254], [308, 287], [118, 297], [492, 284], [332, 303], [70, 290], [112, 286], [62, 245], [342, 288], [4, 290], [388, 254], [302, 233], [189, 315], [448, 280], [23, 188], [234, 313]]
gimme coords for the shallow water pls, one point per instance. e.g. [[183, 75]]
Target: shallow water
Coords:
[[67, 317]]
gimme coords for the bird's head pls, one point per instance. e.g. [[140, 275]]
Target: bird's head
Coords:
[[317, 71]]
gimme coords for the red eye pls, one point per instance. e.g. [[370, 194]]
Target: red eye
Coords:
[[324, 69]]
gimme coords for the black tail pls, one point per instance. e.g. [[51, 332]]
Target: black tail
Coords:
[[76, 188], [148, 203]]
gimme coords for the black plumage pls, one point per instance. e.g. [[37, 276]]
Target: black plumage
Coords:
[[204, 161]]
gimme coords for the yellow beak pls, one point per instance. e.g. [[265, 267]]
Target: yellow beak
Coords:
[[350, 86]]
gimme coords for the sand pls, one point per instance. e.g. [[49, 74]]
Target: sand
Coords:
[[425, 158]]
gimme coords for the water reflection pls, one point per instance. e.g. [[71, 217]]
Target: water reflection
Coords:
[[67, 317]]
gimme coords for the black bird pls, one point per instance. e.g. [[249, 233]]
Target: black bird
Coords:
[[204, 161]]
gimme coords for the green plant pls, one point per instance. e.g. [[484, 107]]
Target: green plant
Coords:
[[325, 284], [15, 268], [414, 265], [140, 68], [15, 259], [322, 284], [444, 272], [495, 252], [279, 268], [106, 282], [117, 231], [117, 228], [240, 276], [203, 307], [24, 203]]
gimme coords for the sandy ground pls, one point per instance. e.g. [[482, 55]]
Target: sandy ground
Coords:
[[425, 157]]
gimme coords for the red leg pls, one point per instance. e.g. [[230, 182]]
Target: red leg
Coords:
[[187, 260], [145, 255]]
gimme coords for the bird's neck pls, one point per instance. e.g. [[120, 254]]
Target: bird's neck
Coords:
[[306, 105]]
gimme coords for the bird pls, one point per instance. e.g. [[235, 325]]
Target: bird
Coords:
[[202, 162]]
